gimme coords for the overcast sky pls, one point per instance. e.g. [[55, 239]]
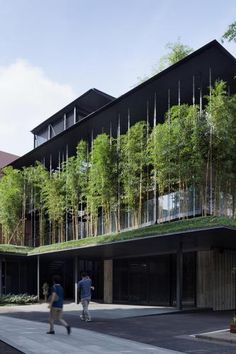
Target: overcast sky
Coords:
[[51, 51]]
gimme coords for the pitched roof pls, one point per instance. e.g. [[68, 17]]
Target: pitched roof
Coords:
[[6, 158], [88, 102], [197, 63]]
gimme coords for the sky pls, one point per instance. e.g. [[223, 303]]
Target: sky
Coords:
[[52, 51]]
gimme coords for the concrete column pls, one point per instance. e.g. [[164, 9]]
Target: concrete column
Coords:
[[76, 278], [64, 122], [108, 281], [74, 115], [38, 278], [179, 276], [49, 132]]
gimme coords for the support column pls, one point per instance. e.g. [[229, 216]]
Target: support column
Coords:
[[74, 115], [38, 278], [108, 281], [179, 277], [76, 278]]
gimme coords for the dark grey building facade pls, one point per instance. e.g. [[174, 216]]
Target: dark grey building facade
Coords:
[[191, 268]]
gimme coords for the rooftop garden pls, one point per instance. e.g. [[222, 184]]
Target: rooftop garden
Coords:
[[154, 230], [5, 248]]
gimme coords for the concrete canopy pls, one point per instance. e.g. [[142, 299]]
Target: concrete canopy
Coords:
[[219, 237]]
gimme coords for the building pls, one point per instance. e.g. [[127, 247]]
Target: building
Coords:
[[6, 158], [191, 267]]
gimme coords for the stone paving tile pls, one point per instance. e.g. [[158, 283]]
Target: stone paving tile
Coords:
[[31, 338], [158, 327]]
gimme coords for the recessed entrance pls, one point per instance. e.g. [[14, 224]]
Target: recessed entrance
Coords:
[[152, 280]]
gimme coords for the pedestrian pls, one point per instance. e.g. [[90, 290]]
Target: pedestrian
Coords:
[[84, 289], [45, 288], [56, 305]]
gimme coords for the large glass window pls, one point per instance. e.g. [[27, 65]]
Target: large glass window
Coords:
[[143, 280], [189, 279], [152, 280], [57, 127], [69, 119], [95, 271], [41, 137], [178, 205]]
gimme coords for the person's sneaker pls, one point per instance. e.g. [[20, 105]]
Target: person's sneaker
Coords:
[[51, 332], [82, 318], [88, 320], [68, 329]]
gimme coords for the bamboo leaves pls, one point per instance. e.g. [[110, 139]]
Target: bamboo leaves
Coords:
[[133, 164], [101, 186], [11, 191], [105, 189]]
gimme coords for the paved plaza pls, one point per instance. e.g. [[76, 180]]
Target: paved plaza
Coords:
[[29, 336], [116, 329]]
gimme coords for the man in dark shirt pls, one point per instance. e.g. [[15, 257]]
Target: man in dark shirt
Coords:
[[84, 288], [56, 306]]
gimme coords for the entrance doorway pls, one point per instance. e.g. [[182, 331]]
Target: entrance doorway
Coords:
[[152, 280]]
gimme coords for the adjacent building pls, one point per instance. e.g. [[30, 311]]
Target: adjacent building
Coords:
[[6, 158]]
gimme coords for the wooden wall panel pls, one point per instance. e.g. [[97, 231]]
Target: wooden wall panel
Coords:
[[215, 280]]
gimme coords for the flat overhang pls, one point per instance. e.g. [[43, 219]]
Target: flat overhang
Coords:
[[219, 237], [13, 254]]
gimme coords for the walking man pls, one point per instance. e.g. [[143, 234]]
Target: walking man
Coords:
[[84, 289], [56, 306]]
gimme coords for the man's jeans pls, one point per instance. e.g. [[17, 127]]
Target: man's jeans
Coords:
[[85, 312]]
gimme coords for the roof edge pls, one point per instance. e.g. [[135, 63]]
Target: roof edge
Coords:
[[101, 93], [136, 88]]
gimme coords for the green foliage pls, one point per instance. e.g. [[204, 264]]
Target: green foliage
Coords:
[[192, 149], [34, 180], [174, 149], [74, 176], [154, 230], [219, 105], [55, 204], [186, 138], [20, 299], [133, 161], [54, 197], [5, 248], [158, 147], [101, 187], [230, 34], [11, 191], [82, 168], [177, 52], [70, 184], [221, 118]]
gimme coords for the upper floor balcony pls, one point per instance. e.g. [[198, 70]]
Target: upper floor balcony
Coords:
[[74, 112]]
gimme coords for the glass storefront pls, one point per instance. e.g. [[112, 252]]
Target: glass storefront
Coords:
[[18, 277], [152, 280], [95, 271]]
